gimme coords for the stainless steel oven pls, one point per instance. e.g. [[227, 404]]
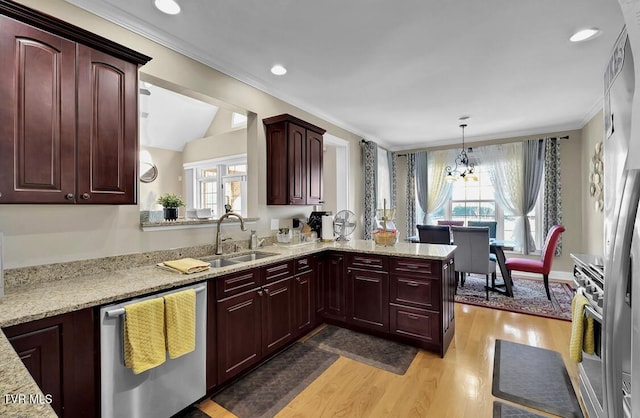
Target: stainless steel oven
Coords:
[[588, 279]]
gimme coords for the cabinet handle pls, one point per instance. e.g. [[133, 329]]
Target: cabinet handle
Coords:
[[298, 279], [412, 316], [304, 261], [69, 196], [85, 196], [412, 284], [266, 291], [259, 292]]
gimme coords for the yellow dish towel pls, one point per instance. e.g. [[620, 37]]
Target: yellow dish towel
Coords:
[[144, 346], [580, 338], [180, 312], [188, 265]]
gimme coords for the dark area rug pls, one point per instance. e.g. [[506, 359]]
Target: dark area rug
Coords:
[[191, 412], [529, 297], [502, 410], [377, 352], [269, 388], [535, 377]]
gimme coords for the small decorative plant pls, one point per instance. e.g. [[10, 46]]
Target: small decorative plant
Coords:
[[170, 200]]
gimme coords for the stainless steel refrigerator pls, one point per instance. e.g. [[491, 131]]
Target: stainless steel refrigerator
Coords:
[[621, 319]]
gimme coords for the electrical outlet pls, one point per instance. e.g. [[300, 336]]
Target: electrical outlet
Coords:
[[275, 224]]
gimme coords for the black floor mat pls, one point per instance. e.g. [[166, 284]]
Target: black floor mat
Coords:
[[269, 388], [534, 377], [503, 410], [377, 352]]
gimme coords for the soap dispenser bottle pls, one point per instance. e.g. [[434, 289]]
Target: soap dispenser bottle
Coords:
[[254, 240]]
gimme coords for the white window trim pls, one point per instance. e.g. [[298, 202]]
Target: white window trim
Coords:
[[192, 169]]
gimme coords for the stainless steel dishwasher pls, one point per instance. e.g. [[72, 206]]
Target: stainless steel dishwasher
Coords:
[[161, 391]]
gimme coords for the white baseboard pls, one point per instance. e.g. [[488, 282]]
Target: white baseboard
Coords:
[[554, 276]]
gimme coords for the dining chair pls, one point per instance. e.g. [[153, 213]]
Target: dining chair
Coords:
[[434, 234], [542, 265], [492, 225], [450, 222], [472, 253]]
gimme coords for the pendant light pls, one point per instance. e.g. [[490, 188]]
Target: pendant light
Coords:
[[463, 167]]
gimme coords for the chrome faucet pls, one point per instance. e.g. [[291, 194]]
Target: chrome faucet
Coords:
[[220, 219]]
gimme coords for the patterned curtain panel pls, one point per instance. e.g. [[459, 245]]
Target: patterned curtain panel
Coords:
[[411, 194], [370, 167], [552, 188], [533, 166], [393, 158]]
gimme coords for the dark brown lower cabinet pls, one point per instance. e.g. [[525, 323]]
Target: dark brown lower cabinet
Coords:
[[277, 316], [239, 333], [303, 285], [335, 307], [368, 294], [62, 354], [254, 324]]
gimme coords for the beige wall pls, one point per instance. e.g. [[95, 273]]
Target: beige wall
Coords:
[[217, 146], [169, 179], [592, 220], [41, 234]]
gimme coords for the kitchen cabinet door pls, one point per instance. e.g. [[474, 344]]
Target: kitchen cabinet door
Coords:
[[61, 354], [69, 113], [297, 164], [335, 306], [319, 288], [277, 316], [239, 333], [314, 158], [294, 161], [37, 115], [107, 128], [368, 298], [304, 310]]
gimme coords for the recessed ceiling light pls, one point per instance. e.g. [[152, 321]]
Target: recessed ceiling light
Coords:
[[278, 70], [585, 34], [170, 7]]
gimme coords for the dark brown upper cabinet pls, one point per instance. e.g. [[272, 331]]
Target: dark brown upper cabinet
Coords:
[[69, 117], [294, 161]]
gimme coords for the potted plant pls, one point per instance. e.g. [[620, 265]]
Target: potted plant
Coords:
[[170, 202]]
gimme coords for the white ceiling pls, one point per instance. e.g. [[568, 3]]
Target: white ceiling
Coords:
[[169, 120], [401, 72]]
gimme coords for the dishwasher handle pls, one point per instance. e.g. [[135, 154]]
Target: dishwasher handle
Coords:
[[114, 313]]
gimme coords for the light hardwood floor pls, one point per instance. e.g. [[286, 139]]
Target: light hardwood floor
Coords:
[[458, 385]]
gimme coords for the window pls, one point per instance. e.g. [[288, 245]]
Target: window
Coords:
[[217, 183], [238, 120], [476, 201]]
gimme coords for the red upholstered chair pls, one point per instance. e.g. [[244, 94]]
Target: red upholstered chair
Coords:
[[450, 223], [542, 266]]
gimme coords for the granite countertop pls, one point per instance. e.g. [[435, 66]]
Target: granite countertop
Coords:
[[103, 285]]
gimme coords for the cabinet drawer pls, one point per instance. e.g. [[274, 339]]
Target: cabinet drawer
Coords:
[[414, 323], [367, 261], [416, 267], [275, 272], [303, 264], [415, 291], [236, 283]]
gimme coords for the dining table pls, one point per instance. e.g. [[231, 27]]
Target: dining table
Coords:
[[496, 247]]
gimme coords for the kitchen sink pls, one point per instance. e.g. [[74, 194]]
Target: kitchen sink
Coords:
[[252, 256], [230, 260]]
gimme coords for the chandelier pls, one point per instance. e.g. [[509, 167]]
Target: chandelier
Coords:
[[463, 168]]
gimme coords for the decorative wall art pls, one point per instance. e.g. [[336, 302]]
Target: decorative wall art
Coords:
[[596, 172]]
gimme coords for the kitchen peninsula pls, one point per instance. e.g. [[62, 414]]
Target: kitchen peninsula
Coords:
[[412, 287]]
